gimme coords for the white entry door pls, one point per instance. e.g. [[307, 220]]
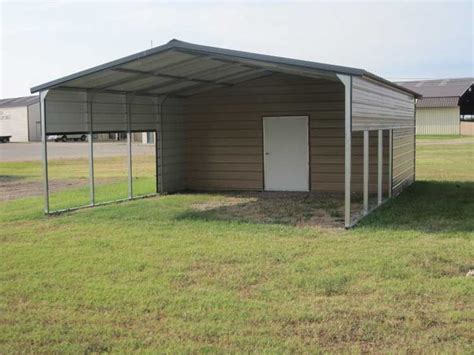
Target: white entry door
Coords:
[[286, 156]]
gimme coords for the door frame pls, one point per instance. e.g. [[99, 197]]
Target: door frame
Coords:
[[308, 127]]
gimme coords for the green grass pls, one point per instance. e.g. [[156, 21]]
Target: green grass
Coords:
[[111, 178], [440, 137], [158, 275], [104, 168], [445, 160]]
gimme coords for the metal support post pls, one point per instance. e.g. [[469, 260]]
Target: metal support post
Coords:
[[366, 172], [347, 81], [390, 162], [129, 152], [380, 167], [91, 150], [44, 141]]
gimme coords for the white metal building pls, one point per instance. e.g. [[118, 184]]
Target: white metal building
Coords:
[[20, 119], [445, 104]]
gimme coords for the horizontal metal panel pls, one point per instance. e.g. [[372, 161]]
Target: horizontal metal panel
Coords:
[[378, 106], [67, 112], [173, 143], [109, 98], [66, 95], [403, 159], [111, 108]]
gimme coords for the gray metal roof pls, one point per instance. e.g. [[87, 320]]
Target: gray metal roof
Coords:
[[438, 102], [19, 101], [439, 88], [184, 69]]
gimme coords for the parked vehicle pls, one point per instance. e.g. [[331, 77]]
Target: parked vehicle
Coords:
[[66, 137], [5, 139]]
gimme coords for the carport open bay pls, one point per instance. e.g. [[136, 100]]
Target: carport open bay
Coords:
[[21, 174]]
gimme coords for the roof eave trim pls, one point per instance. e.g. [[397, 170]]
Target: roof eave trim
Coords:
[[105, 66], [268, 59], [392, 84]]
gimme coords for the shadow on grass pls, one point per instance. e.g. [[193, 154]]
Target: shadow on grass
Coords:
[[11, 178], [294, 209], [429, 206]]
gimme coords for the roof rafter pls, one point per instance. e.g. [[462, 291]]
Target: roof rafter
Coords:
[[216, 84], [176, 81], [198, 89], [138, 77], [107, 91], [161, 75]]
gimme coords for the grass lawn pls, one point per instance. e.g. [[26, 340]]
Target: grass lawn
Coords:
[[434, 138], [111, 178], [162, 275]]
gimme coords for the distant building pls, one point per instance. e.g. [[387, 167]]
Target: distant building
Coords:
[[447, 106], [20, 119]]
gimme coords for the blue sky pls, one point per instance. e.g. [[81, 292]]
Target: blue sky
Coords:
[[41, 41]]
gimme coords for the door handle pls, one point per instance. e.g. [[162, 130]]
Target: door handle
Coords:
[[267, 153]]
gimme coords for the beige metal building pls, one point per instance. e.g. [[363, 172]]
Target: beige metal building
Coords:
[[20, 119], [232, 120], [447, 104]]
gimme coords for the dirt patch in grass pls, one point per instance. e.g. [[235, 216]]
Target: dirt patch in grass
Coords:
[[298, 209]]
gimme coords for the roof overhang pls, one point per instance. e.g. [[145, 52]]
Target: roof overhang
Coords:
[[185, 69], [431, 102], [24, 101]]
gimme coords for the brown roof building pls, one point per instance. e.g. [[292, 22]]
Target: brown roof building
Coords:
[[446, 103]]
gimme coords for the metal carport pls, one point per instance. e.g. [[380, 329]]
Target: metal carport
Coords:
[[150, 89]]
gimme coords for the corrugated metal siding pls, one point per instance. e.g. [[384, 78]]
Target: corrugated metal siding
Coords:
[[357, 177], [174, 141], [214, 140], [14, 123], [224, 136], [328, 151], [440, 120], [403, 159], [66, 111], [376, 106]]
